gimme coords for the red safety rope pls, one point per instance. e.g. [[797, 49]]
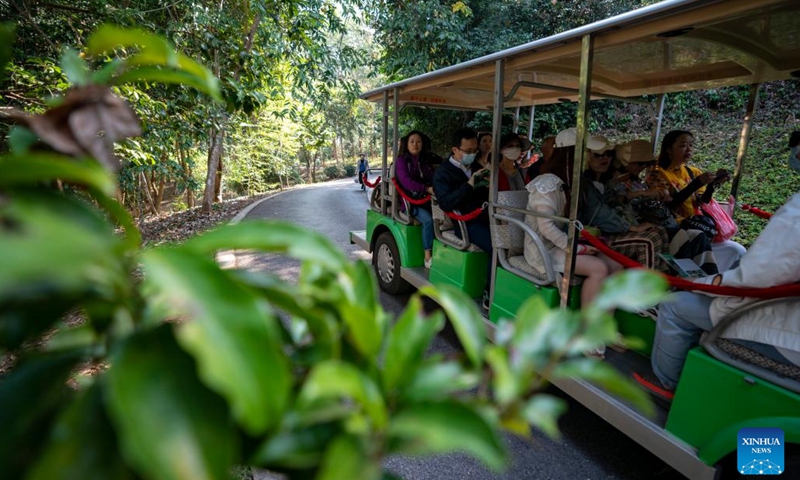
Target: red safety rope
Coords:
[[371, 185], [467, 217], [412, 201], [781, 291], [756, 211]]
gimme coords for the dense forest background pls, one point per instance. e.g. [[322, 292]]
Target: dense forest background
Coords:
[[291, 72]]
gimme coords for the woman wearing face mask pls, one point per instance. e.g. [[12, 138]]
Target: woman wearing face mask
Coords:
[[511, 148]]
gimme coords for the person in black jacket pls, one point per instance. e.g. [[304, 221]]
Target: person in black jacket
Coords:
[[454, 187]]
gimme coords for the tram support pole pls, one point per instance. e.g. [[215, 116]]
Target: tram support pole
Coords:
[[661, 100], [497, 123], [584, 90], [385, 134], [744, 139], [530, 123]]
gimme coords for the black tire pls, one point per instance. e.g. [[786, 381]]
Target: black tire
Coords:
[[386, 262]]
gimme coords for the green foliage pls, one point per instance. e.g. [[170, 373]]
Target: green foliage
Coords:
[[201, 373]]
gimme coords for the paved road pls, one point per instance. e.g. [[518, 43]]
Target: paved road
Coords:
[[588, 449]]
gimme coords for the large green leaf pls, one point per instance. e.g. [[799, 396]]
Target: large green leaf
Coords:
[[55, 250], [83, 445], [408, 340], [164, 75], [508, 384], [446, 427], [75, 68], [154, 51], [464, 316], [170, 426], [29, 396], [360, 310], [541, 332], [631, 290], [296, 449], [607, 377], [543, 411], [347, 458], [335, 379], [275, 237], [436, 379], [33, 169], [233, 336]]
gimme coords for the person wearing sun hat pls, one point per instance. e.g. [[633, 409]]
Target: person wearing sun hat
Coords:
[[614, 217]]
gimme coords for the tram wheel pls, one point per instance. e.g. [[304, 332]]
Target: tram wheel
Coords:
[[386, 261]]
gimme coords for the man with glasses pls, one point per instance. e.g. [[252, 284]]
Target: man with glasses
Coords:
[[454, 187]]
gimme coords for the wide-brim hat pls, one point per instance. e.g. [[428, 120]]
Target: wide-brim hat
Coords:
[[568, 137], [599, 144], [635, 151]]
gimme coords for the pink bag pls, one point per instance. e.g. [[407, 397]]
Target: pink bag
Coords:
[[726, 228]]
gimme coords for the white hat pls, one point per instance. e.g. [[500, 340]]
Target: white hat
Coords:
[[635, 151], [567, 138], [600, 140]]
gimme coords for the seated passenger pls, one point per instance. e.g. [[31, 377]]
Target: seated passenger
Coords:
[[511, 148], [535, 169], [772, 330], [485, 146], [648, 205], [549, 195], [454, 187], [414, 170], [687, 186], [642, 242]]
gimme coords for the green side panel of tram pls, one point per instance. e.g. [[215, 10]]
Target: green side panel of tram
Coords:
[[407, 237], [511, 291], [714, 400], [464, 270], [636, 326]]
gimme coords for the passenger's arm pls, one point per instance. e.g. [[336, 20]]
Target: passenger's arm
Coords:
[[600, 215], [549, 228], [679, 197], [405, 179], [449, 198]]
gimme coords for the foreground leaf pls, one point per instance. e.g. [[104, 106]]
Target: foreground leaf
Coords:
[[170, 425], [464, 316], [274, 237], [29, 395], [347, 459], [631, 290], [83, 445], [360, 309], [407, 343], [446, 427], [234, 338], [335, 379], [33, 169]]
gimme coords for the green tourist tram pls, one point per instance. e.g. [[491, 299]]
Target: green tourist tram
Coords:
[[673, 46]]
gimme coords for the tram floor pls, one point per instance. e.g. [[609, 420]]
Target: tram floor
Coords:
[[629, 362]]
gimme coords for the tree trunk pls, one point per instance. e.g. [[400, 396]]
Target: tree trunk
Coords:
[[214, 155], [218, 181], [187, 172], [146, 189], [335, 155]]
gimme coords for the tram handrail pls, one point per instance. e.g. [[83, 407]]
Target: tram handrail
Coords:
[[548, 262]]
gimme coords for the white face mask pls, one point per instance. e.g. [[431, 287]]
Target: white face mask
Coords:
[[511, 153]]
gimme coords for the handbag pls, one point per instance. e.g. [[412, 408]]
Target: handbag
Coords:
[[726, 227]]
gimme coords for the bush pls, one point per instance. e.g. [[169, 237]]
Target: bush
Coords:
[[334, 171], [349, 170]]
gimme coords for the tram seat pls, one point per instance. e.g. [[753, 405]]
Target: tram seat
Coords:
[[508, 239], [746, 359], [443, 228], [399, 207]]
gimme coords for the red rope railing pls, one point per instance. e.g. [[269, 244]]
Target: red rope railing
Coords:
[[412, 201], [781, 291], [372, 185], [466, 217], [757, 211]]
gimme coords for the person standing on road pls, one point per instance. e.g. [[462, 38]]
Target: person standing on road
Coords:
[[363, 168]]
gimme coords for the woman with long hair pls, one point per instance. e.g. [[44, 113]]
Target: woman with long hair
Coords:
[[688, 187], [414, 171]]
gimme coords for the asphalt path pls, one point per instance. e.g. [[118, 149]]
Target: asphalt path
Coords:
[[589, 448]]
